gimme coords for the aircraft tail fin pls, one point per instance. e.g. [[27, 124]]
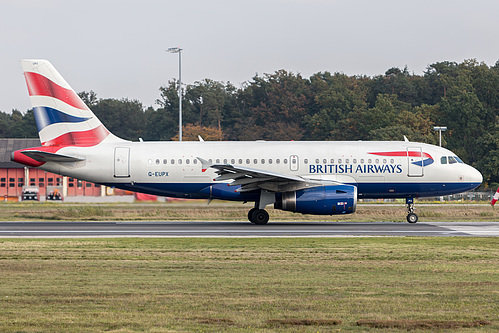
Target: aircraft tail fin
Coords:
[[61, 116]]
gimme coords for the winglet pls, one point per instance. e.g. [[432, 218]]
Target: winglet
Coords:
[[204, 164]]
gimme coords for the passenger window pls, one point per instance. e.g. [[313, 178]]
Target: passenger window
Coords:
[[332, 161], [165, 161], [173, 161], [195, 161], [157, 161], [361, 161], [232, 161], [347, 161], [225, 161], [443, 160], [255, 161], [392, 161], [285, 161], [324, 161], [376, 161], [278, 161], [452, 160], [384, 161], [247, 161], [305, 161], [263, 161], [240, 161], [187, 161], [316, 161], [218, 161], [354, 161], [179, 161], [339, 161], [270, 161], [369, 161]]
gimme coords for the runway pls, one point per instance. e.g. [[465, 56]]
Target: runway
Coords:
[[245, 229]]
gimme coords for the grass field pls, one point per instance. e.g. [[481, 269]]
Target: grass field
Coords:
[[227, 211], [248, 285]]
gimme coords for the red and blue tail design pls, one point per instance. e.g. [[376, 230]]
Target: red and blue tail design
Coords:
[[61, 116]]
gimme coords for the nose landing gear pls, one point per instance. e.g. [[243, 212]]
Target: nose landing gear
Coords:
[[411, 216]]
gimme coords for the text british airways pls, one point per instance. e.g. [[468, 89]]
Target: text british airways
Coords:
[[349, 168]]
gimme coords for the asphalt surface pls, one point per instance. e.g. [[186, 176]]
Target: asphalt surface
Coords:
[[245, 229]]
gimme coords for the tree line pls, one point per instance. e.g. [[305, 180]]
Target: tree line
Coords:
[[326, 106]]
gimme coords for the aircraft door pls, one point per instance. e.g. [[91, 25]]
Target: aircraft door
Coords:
[[415, 162], [293, 163], [121, 162]]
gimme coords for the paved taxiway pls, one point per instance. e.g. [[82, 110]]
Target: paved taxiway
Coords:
[[245, 229]]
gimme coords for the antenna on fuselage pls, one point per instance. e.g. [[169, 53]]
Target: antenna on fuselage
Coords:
[[406, 139]]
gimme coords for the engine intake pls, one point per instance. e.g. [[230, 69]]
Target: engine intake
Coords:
[[320, 200]]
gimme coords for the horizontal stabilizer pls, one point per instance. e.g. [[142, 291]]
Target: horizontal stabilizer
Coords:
[[43, 156]]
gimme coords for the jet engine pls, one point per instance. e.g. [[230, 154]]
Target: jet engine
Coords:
[[319, 200]]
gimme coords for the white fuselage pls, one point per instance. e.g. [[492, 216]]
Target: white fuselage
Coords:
[[378, 169]]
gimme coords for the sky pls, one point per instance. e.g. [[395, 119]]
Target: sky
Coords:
[[117, 48]]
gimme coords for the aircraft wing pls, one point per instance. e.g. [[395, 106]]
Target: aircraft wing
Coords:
[[254, 179]]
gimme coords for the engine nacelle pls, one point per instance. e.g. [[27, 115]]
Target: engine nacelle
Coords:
[[320, 200]]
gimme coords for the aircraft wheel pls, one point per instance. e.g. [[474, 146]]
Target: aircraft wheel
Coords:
[[412, 218], [260, 216], [250, 214]]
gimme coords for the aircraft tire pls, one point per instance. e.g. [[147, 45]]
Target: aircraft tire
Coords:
[[250, 214], [412, 218], [260, 216]]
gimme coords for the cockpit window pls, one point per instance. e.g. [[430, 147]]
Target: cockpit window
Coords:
[[450, 160]]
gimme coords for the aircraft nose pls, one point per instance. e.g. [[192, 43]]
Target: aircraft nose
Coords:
[[475, 175]]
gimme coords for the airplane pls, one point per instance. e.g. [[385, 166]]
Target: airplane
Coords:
[[308, 177]]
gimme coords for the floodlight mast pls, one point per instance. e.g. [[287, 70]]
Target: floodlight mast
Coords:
[[179, 51], [440, 129]]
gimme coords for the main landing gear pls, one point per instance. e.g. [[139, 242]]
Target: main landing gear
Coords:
[[258, 216], [411, 216]]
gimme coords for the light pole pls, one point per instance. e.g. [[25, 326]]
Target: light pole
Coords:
[[179, 51], [440, 129]]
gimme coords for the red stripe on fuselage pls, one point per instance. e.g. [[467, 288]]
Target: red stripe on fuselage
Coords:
[[82, 139], [404, 153], [39, 85]]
